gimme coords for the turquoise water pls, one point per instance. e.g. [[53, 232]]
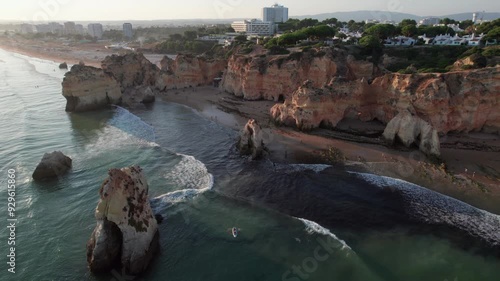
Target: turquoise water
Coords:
[[202, 188]]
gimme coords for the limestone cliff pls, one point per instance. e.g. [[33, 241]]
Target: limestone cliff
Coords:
[[133, 79], [411, 130], [278, 76], [126, 233], [189, 71], [131, 70], [450, 102], [87, 88]]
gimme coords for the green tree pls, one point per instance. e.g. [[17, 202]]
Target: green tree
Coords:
[[190, 34], [333, 21], [465, 24], [447, 21], [370, 42], [307, 23], [240, 38], [176, 37], [381, 31], [494, 34], [406, 22], [409, 30]]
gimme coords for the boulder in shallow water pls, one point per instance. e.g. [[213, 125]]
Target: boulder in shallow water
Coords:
[[251, 142], [63, 65], [52, 165], [125, 224]]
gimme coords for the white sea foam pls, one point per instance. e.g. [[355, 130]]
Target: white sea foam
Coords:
[[292, 168], [435, 208], [313, 227], [192, 176]]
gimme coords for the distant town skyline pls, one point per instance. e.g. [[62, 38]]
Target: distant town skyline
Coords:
[[94, 10]]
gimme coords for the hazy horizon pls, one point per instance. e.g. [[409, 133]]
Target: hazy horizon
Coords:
[[114, 10]]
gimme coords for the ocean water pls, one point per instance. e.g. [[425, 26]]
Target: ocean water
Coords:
[[298, 222]]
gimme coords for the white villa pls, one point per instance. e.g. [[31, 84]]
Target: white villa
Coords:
[[448, 40], [399, 41]]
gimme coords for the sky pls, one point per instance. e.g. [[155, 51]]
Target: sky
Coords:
[[78, 10]]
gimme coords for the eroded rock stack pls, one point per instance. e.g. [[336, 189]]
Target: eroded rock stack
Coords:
[[411, 130], [88, 88], [126, 234], [132, 79], [250, 142]]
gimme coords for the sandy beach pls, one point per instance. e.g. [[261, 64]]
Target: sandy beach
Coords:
[[72, 53], [471, 174]]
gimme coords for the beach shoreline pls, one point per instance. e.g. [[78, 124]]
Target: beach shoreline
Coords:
[[470, 175], [460, 180]]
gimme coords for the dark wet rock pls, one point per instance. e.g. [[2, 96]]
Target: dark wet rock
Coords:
[[52, 165]]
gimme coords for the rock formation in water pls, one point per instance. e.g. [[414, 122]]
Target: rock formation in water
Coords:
[[126, 234], [411, 130], [133, 79], [189, 71], [250, 142], [451, 102], [131, 70], [277, 77], [88, 88], [52, 165], [63, 65]]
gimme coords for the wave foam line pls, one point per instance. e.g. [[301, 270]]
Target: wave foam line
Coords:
[[313, 227]]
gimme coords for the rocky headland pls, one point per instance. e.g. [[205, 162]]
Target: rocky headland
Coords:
[[131, 79], [126, 234], [323, 91]]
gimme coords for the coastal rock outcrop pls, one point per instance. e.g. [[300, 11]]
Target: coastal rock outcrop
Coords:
[[251, 142], [52, 165], [277, 77], [63, 65], [126, 233], [131, 70], [88, 88], [450, 102], [410, 130], [189, 71]]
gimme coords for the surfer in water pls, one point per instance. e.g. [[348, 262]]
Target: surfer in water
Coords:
[[234, 231]]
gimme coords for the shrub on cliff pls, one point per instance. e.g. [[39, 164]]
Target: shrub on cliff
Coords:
[[277, 50]]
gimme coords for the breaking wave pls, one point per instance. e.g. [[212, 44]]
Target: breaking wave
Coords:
[[434, 208], [192, 176], [312, 227]]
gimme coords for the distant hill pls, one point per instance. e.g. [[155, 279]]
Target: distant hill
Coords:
[[394, 16], [468, 16]]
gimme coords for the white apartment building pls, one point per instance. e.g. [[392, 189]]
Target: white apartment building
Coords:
[[69, 27], [95, 30], [128, 31], [430, 21], [275, 13], [254, 27], [27, 28]]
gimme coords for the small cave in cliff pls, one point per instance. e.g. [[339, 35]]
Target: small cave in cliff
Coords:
[[281, 98]]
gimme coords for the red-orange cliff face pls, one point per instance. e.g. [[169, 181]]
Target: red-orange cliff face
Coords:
[[451, 102], [189, 71], [275, 77]]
